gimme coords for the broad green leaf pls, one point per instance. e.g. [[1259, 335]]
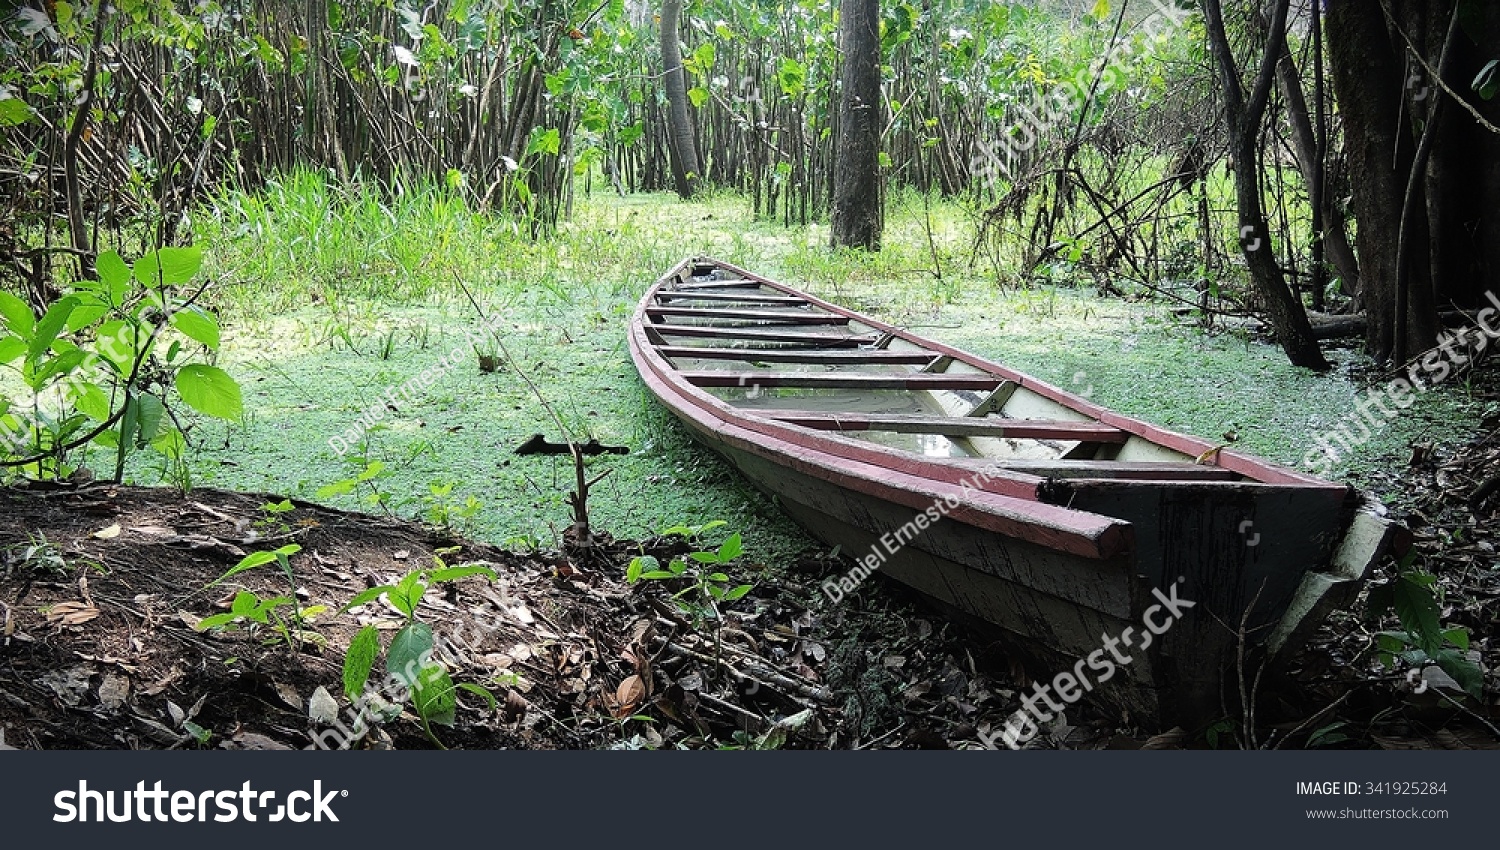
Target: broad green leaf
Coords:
[[1465, 672], [113, 272], [409, 652], [481, 692], [148, 419], [216, 621], [658, 574], [1418, 609], [792, 77], [14, 111], [365, 597], [249, 562], [731, 548], [360, 660], [737, 593], [17, 314], [90, 400], [456, 573], [408, 593], [169, 266], [86, 315], [1458, 637], [434, 696], [50, 326], [57, 366], [698, 96], [1100, 10], [197, 325], [337, 488], [546, 141], [210, 390], [638, 566], [11, 347], [116, 341]]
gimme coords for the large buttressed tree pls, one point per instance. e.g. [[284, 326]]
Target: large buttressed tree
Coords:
[[857, 213], [1416, 82]]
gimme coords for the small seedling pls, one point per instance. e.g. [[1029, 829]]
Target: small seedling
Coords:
[[706, 586], [248, 606], [409, 660]]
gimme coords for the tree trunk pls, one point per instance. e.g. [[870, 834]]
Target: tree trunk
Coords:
[[1305, 147], [1425, 171], [1287, 315], [857, 210], [681, 146]]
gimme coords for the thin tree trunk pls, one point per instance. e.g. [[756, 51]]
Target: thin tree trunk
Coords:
[[1305, 146], [681, 146], [1288, 316], [856, 181]]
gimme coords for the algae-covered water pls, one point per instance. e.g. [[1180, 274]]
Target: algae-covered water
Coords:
[[311, 372]]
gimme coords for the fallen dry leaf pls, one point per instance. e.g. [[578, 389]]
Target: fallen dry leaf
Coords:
[[114, 691], [629, 694], [71, 614], [109, 533]]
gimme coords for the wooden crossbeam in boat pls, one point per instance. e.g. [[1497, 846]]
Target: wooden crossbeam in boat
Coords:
[[736, 297], [804, 318], [1132, 470], [740, 283], [953, 426], [995, 400], [799, 355], [840, 380], [824, 340]]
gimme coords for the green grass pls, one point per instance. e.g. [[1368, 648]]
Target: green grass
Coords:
[[332, 295]]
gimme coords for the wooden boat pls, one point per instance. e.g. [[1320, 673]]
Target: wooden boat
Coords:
[[1008, 500]]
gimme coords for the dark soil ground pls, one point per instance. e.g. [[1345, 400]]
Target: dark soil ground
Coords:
[[101, 587]]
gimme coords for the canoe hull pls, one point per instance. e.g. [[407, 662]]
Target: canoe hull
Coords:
[[1170, 577]]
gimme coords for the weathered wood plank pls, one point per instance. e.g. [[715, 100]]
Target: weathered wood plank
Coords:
[[805, 317], [718, 284], [799, 355], [837, 380], [818, 339], [954, 426], [1129, 470], [732, 297]]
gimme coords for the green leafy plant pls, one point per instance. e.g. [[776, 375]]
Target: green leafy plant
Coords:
[[408, 659], [704, 584], [248, 606], [1417, 600], [94, 369], [38, 554], [443, 513], [366, 473]]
